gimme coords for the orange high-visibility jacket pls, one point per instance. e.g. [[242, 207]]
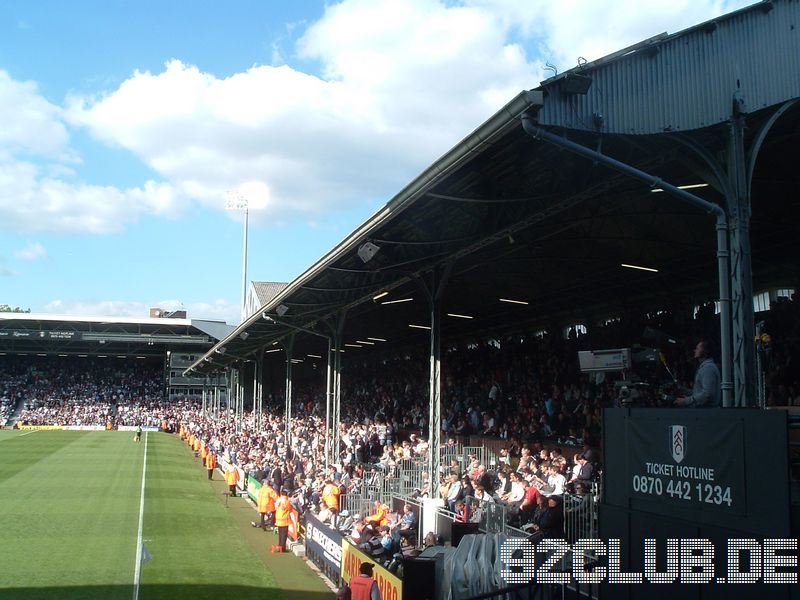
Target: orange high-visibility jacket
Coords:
[[330, 496], [283, 511], [211, 461], [231, 476], [381, 517], [203, 451], [361, 587], [266, 499], [197, 444]]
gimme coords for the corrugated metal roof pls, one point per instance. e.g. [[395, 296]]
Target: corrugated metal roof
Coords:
[[267, 290], [688, 80], [216, 329]]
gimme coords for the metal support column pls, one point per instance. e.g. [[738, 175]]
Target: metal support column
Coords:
[[257, 394], [336, 417], [228, 388], [216, 400], [205, 382], [435, 405], [741, 267], [289, 346], [434, 293], [331, 357]]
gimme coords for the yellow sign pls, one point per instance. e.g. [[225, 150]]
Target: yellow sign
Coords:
[[390, 585], [42, 427]]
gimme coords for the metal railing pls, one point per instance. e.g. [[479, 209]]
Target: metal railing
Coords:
[[580, 516]]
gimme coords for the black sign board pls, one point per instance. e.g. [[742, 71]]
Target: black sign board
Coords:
[[706, 466], [687, 463], [693, 477], [324, 546]]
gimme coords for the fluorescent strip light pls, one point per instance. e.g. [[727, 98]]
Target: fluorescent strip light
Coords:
[[691, 186], [297, 360], [142, 357], [313, 356], [273, 350], [514, 301], [376, 339], [381, 295], [64, 355], [365, 342], [121, 356], [83, 355], [638, 267], [102, 356], [457, 316], [420, 327], [41, 355], [398, 301], [353, 346]]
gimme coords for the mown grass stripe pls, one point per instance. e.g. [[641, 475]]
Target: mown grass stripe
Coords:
[[138, 569]]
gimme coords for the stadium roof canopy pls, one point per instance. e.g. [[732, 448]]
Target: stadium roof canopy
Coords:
[[25, 333], [505, 216]]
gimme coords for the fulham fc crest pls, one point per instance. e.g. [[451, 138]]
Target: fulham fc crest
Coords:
[[677, 442]]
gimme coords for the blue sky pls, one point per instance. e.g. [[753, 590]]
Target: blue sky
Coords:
[[124, 124]]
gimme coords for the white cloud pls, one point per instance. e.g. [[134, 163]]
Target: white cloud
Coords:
[[33, 251], [36, 189], [30, 123], [217, 310], [33, 203], [401, 82], [590, 29]]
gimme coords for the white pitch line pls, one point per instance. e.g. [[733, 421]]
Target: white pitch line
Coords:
[[27, 433], [137, 573]]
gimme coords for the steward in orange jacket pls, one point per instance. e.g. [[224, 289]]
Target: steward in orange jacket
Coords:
[[211, 463], [283, 518], [203, 452], [266, 504], [231, 477], [381, 516], [361, 585]]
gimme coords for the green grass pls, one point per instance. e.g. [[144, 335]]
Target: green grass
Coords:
[[69, 515]]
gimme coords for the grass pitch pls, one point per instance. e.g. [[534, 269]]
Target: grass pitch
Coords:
[[69, 521]]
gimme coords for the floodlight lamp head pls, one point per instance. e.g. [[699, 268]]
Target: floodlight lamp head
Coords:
[[282, 310], [222, 350], [244, 335], [367, 251]]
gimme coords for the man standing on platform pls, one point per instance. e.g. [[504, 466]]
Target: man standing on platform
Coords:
[[706, 390]]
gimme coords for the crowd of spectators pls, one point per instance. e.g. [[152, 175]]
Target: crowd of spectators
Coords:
[[527, 392], [75, 390]]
